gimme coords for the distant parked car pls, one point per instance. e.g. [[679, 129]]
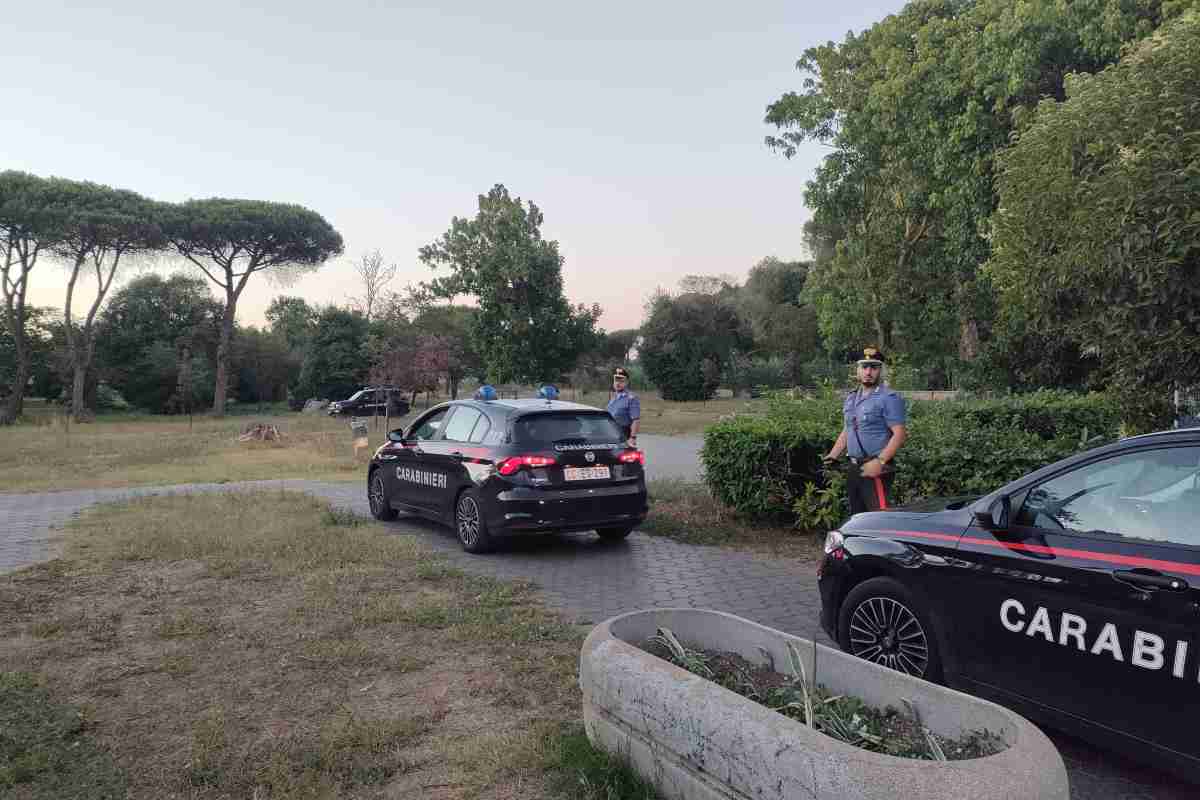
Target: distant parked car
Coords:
[[371, 401]]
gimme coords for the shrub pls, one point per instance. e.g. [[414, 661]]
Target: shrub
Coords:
[[770, 466]]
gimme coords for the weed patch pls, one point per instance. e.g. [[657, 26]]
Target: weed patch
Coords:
[[45, 749], [261, 645]]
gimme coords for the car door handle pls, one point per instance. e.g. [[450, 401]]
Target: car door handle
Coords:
[[1150, 580], [457, 456]]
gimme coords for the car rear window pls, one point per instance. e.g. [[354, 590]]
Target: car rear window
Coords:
[[562, 427]]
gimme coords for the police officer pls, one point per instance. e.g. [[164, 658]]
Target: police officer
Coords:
[[873, 430], [625, 407]]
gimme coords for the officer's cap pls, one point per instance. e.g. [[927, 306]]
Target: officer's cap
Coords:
[[620, 372], [871, 355]]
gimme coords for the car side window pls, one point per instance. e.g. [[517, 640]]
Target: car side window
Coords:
[[481, 429], [429, 426], [460, 425], [1152, 495]]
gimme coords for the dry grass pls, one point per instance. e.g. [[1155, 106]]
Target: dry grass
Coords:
[[677, 419], [117, 451], [208, 646], [686, 512], [123, 451]]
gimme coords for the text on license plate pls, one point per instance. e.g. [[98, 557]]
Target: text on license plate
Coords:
[[584, 473]]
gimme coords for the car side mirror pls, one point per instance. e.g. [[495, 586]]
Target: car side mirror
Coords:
[[995, 516], [396, 435]]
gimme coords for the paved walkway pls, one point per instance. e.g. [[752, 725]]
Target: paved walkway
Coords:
[[588, 580]]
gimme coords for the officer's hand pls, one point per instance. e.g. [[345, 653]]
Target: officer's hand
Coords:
[[828, 460], [872, 469]]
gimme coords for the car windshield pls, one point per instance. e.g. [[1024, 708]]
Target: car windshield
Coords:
[[566, 427], [356, 396]]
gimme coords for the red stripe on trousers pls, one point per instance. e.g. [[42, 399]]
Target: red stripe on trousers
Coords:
[[879, 494]]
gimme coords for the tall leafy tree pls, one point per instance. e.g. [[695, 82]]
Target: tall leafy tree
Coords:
[[915, 110], [525, 330], [31, 224], [143, 332], [293, 319], [1098, 228], [101, 227], [687, 341], [231, 240], [336, 361], [782, 325]]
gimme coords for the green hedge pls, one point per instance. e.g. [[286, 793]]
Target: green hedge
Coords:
[[770, 465]]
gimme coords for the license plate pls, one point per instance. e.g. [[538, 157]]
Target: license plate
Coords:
[[585, 473]]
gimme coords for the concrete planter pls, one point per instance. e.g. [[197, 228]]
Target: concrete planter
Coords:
[[695, 739]]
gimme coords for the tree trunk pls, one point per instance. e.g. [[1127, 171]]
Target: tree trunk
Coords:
[[15, 404], [968, 340], [223, 349], [78, 384]]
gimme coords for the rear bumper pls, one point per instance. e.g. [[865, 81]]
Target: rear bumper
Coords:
[[521, 510]]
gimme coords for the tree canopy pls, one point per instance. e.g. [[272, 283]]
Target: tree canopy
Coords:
[[525, 329], [1098, 230], [915, 110], [230, 240]]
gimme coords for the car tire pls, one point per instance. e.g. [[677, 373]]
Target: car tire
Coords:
[[377, 498], [469, 524], [614, 534], [882, 621]]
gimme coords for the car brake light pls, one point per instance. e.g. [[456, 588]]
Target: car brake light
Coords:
[[632, 457], [513, 463]]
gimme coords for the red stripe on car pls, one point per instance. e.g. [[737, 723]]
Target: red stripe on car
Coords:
[[1090, 555]]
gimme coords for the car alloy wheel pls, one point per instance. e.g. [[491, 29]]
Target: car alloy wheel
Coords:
[[887, 632], [377, 498], [468, 521]]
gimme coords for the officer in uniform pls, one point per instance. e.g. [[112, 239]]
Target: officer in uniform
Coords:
[[874, 417], [625, 407]]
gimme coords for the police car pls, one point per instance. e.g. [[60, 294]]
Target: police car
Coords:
[[1071, 594], [495, 468]]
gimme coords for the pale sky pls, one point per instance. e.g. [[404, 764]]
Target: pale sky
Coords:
[[635, 126]]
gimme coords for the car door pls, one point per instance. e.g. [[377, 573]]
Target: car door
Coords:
[[449, 456], [1086, 603], [415, 481]]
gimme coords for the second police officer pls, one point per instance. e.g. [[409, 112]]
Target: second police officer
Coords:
[[625, 407]]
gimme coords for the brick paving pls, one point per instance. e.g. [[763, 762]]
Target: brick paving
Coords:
[[587, 580]]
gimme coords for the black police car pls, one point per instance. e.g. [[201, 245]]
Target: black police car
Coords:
[[501, 467], [370, 402], [1071, 594]]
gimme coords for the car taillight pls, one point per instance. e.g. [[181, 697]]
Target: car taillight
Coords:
[[632, 457], [513, 463]]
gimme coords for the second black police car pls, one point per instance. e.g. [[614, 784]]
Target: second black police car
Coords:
[[503, 467], [1071, 594]]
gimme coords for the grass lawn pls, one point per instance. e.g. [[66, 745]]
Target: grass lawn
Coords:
[[212, 646], [686, 512], [122, 450], [130, 450], [677, 419]]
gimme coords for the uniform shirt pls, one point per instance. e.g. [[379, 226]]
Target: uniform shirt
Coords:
[[625, 408], [874, 416]]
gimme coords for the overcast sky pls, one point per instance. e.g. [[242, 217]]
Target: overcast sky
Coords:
[[635, 126]]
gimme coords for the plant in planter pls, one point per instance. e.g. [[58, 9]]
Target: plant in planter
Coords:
[[841, 716], [717, 731]]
